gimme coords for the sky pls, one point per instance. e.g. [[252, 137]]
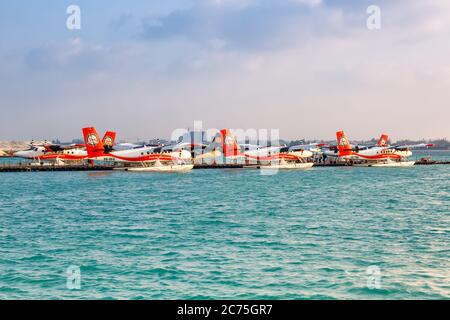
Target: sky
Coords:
[[146, 68]]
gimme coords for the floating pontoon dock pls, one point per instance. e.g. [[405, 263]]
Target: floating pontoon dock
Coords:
[[26, 167]]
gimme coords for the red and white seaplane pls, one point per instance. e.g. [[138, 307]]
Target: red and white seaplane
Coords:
[[61, 154], [333, 151], [377, 156], [143, 159], [224, 147]]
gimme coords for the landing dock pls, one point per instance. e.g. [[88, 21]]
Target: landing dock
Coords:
[[26, 167], [218, 166], [430, 162], [37, 168]]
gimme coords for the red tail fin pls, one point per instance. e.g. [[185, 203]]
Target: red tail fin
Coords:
[[383, 142], [343, 144], [229, 144], [226, 142], [94, 146], [109, 140]]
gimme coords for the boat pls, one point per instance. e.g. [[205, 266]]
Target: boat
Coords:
[[158, 166]]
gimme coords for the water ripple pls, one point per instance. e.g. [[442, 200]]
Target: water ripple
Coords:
[[226, 235]]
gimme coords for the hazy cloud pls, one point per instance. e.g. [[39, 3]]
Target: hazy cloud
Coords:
[[305, 67], [255, 25], [73, 55]]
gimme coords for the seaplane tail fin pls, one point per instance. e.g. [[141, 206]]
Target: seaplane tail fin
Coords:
[[94, 146], [109, 140], [343, 144], [229, 144], [383, 142]]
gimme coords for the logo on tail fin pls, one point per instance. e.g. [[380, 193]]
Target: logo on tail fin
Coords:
[[92, 139], [108, 141], [343, 144]]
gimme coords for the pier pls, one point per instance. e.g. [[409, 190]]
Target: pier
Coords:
[[36, 168], [430, 162], [26, 167], [218, 166]]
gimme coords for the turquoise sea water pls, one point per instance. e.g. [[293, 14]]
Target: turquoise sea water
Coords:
[[227, 234]]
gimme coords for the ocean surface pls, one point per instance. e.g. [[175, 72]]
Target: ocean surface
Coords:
[[326, 233]]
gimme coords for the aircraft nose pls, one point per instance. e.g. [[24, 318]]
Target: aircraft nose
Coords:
[[18, 154]]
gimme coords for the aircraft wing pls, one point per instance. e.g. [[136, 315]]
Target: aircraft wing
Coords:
[[183, 146], [127, 146], [412, 146], [309, 146], [57, 148], [248, 146]]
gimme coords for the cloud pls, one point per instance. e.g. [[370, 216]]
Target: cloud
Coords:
[[305, 67], [248, 25], [122, 21], [307, 2], [70, 56], [418, 21]]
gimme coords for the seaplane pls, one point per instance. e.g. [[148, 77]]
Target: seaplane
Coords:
[[140, 159], [377, 156], [60, 154], [333, 151], [225, 146]]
